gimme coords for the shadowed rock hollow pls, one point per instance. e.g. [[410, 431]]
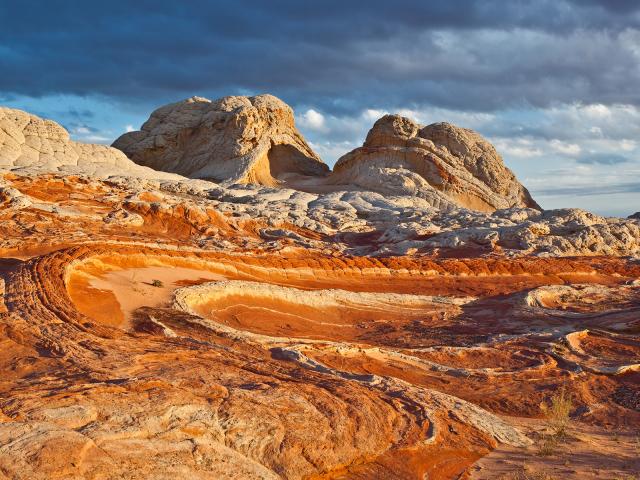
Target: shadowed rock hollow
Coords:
[[254, 140]]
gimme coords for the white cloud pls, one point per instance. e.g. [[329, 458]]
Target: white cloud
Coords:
[[86, 134], [96, 139], [331, 151], [521, 148], [372, 114], [313, 120], [129, 128], [565, 122], [571, 149], [628, 145], [596, 111]]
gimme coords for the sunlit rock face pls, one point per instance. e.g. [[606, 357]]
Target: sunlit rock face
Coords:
[[254, 140], [442, 163], [157, 326], [232, 139]]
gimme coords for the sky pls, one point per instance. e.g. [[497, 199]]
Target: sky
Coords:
[[553, 84]]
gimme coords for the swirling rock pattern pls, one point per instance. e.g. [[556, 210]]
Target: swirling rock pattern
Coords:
[[175, 328]]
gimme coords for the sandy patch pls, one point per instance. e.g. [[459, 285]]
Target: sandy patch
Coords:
[[588, 452], [133, 288]]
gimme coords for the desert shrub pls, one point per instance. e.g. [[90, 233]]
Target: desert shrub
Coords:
[[157, 283], [557, 412]]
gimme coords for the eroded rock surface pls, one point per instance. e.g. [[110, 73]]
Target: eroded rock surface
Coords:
[[232, 139], [179, 328], [31, 143], [254, 140]]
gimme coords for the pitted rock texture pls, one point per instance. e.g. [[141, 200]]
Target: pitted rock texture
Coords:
[[442, 163], [254, 140], [232, 139], [258, 217], [32, 143]]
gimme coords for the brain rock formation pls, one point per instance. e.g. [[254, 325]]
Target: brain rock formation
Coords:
[[233, 139], [442, 163]]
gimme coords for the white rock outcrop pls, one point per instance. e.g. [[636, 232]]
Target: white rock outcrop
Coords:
[[28, 142], [231, 140], [444, 164]]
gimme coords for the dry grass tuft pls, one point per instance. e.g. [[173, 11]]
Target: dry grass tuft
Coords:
[[557, 414], [548, 446]]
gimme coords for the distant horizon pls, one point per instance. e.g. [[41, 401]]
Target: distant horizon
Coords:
[[553, 85]]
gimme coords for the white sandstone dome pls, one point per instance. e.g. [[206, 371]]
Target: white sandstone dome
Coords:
[[442, 163], [232, 139]]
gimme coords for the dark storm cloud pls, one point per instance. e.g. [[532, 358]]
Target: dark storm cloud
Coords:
[[340, 56], [78, 114], [618, 6]]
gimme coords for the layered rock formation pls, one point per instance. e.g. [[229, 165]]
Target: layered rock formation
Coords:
[[232, 139], [441, 163], [29, 142], [179, 328]]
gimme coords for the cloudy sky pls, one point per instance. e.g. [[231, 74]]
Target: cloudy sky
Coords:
[[554, 84]]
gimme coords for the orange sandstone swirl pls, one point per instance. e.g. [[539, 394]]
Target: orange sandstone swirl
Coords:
[[176, 393]]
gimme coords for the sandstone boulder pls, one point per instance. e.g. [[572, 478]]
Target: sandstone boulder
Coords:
[[232, 140], [31, 143], [446, 165]]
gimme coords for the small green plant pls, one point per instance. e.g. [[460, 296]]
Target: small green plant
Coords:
[[157, 283]]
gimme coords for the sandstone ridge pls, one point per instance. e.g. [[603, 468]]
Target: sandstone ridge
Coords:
[[232, 139], [179, 328]]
